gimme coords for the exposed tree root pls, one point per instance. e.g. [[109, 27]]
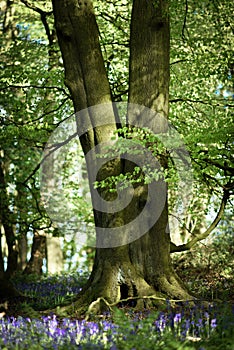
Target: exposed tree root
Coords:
[[95, 305]]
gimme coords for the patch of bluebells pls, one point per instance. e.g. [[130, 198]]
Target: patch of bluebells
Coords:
[[52, 290], [196, 326], [193, 323], [51, 332]]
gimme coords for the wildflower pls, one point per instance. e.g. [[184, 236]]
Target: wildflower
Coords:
[[177, 318], [213, 323], [93, 328]]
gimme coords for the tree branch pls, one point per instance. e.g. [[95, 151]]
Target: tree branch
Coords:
[[19, 124], [36, 9], [185, 20], [50, 35], [9, 86], [187, 246], [200, 101], [224, 167], [179, 61], [52, 148]]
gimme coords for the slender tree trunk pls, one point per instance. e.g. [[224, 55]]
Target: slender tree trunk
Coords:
[[6, 220], [6, 288], [54, 255], [38, 253], [23, 250], [143, 267]]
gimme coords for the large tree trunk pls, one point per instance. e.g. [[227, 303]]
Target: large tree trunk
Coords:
[[143, 267]]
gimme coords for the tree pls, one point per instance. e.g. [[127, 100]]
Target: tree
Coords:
[[141, 268], [39, 103]]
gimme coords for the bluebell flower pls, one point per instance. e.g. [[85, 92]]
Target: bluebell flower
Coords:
[[177, 318], [213, 323]]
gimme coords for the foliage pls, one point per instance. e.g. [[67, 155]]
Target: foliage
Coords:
[[212, 264], [30, 85], [113, 22], [201, 84]]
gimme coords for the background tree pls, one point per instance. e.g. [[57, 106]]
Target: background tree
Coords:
[[25, 126]]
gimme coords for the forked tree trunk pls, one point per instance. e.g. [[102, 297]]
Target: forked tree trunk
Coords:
[[141, 268]]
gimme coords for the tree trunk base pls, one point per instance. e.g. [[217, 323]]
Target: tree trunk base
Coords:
[[97, 299]]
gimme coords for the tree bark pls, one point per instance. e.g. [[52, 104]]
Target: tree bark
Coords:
[[38, 253], [142, 268]]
